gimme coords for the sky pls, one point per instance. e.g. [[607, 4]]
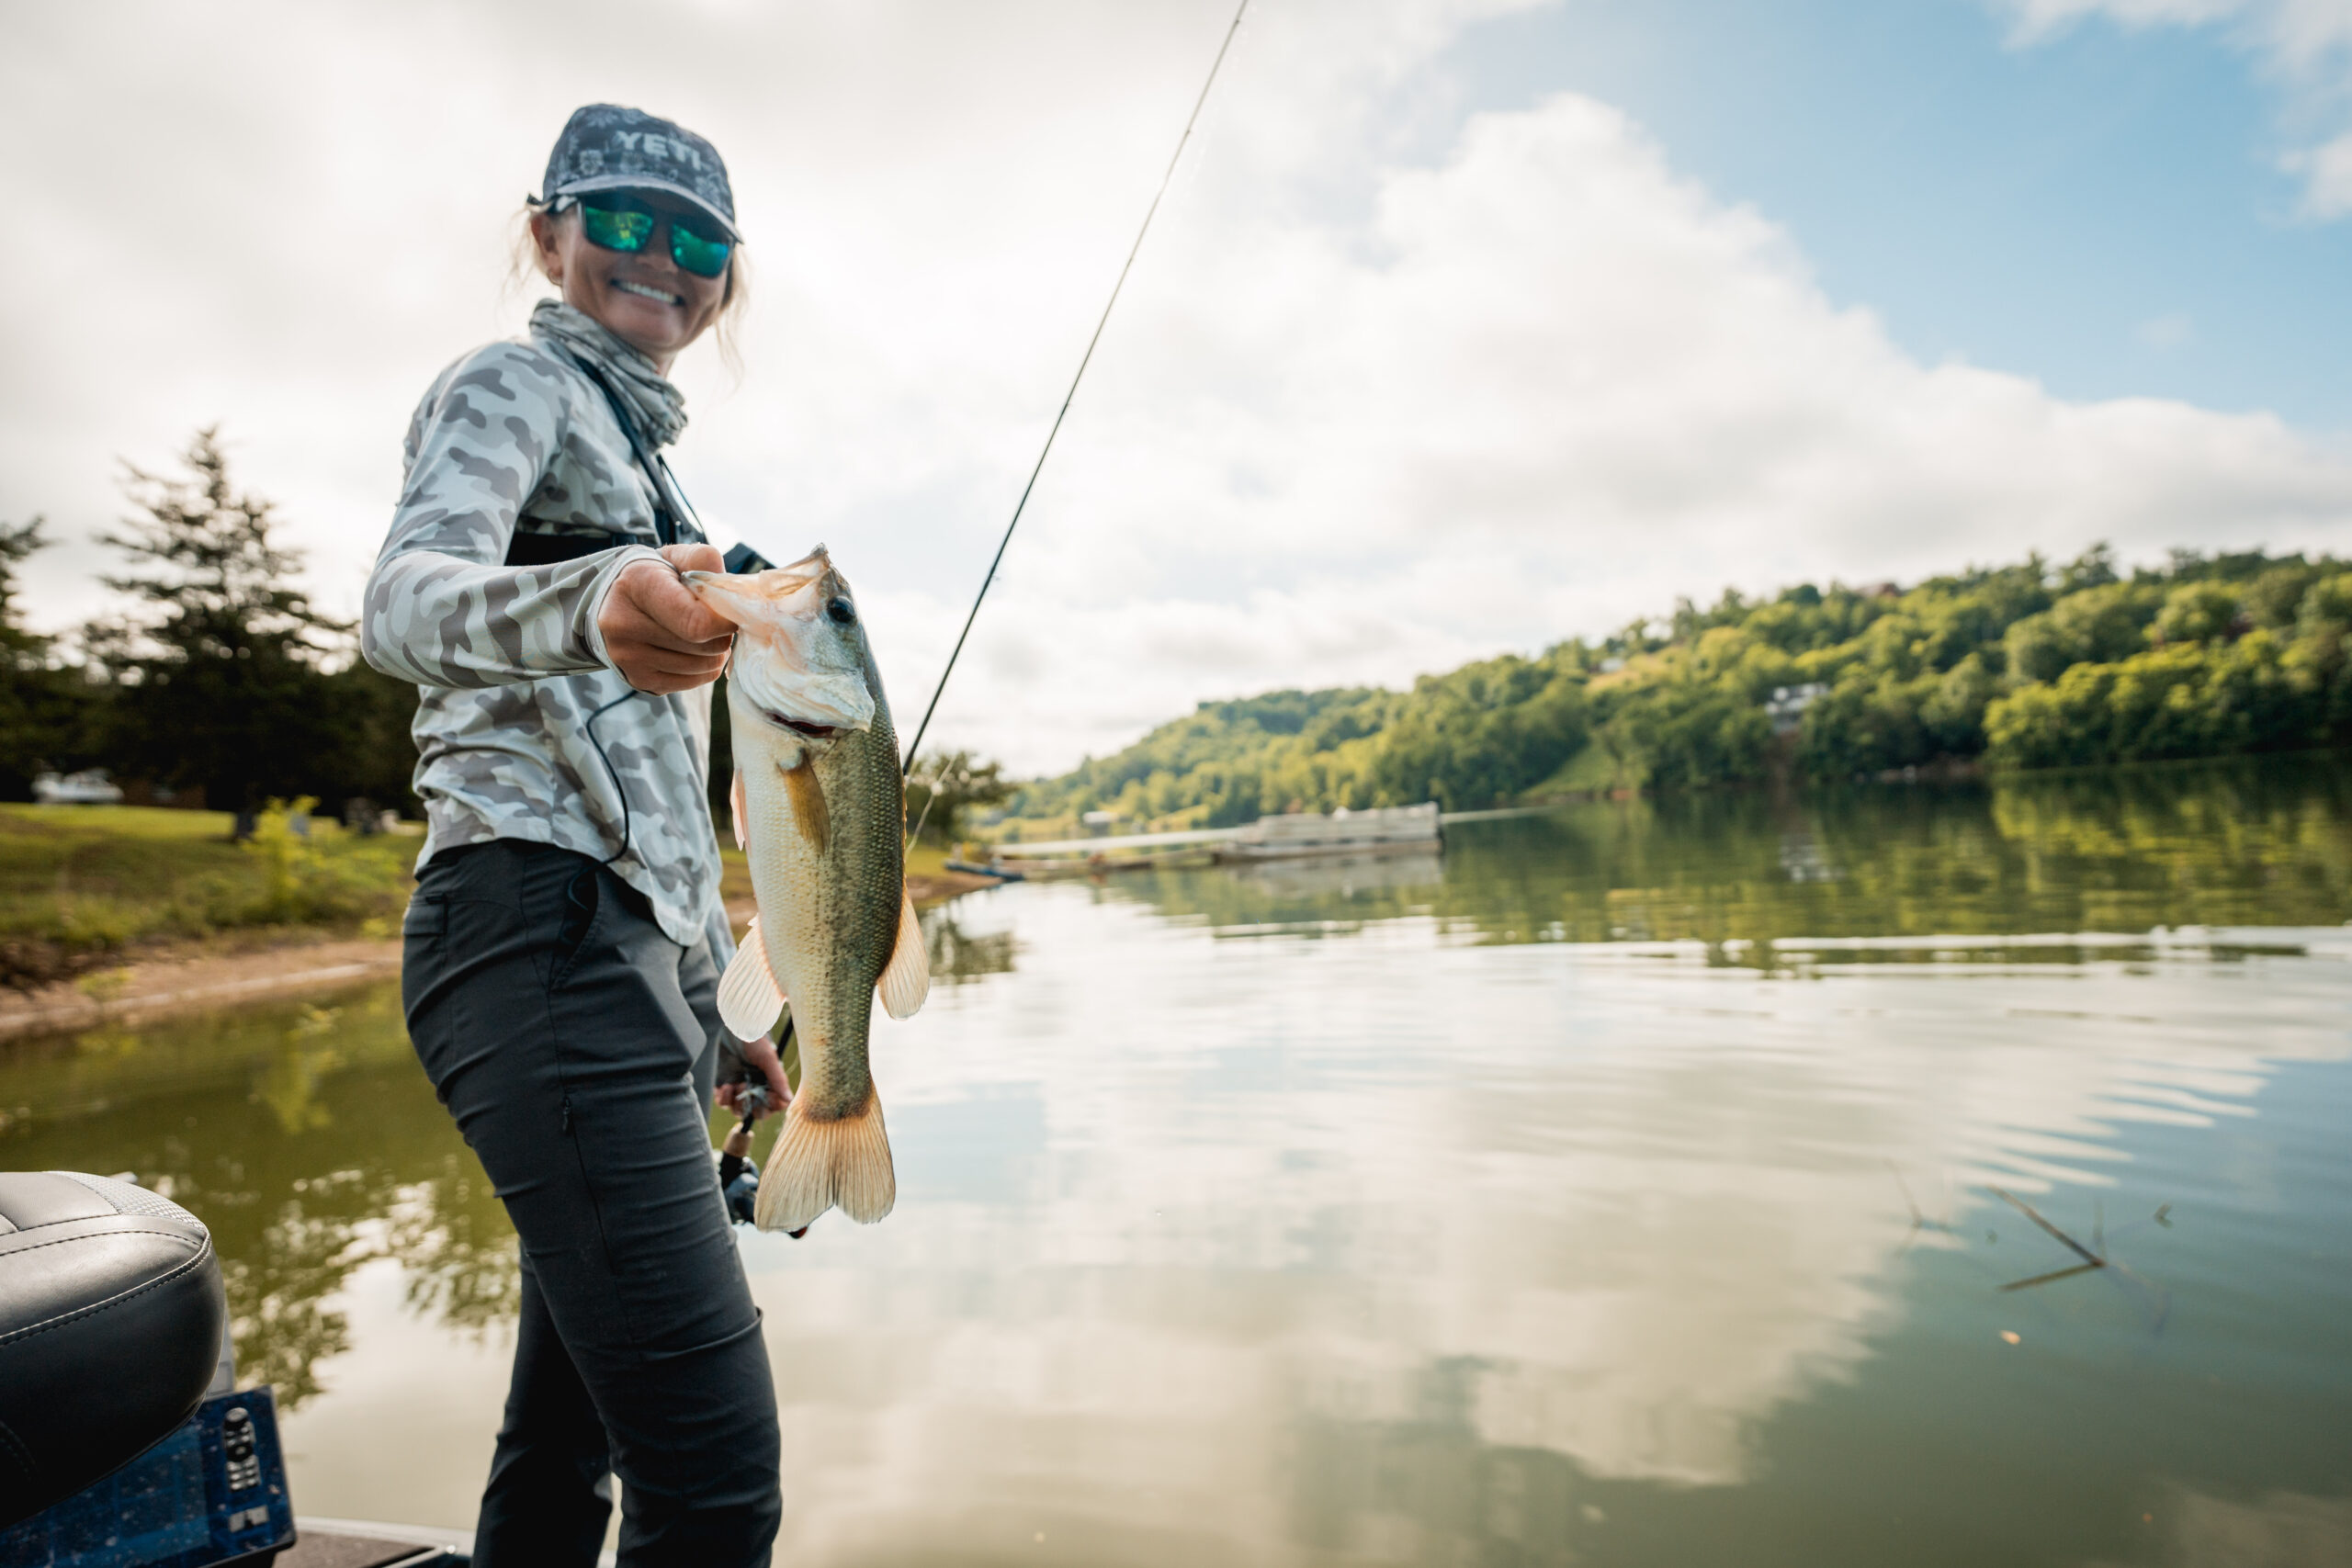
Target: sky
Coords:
[[1468, 325]]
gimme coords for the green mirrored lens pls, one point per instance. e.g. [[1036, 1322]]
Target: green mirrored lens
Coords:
[[703, 257], [616, 228]]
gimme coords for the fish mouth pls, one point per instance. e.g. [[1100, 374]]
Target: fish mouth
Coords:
[[802, 727]]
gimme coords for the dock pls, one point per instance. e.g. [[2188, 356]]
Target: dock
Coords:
[[1395, 829]]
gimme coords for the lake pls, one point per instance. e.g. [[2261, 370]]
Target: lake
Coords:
[[1651, 1182]]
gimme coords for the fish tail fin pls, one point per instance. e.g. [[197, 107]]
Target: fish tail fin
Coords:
[[819, 1165]]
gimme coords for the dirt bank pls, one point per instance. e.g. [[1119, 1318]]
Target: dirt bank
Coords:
[[191, 977]]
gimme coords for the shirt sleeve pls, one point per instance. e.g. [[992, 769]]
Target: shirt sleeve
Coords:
[[442, 608]]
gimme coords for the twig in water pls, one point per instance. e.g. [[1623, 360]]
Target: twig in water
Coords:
[[2022, 1207], [2067, 1273], [1919, 1220]]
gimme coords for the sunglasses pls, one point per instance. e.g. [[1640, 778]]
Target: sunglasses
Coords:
[[627, 225]]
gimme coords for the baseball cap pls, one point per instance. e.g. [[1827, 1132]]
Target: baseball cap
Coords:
[[611, 147]]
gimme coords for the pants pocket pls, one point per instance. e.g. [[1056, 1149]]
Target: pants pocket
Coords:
[[579, 919], [426, 919]]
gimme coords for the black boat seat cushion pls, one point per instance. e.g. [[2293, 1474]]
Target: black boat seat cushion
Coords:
[[110, 1318]]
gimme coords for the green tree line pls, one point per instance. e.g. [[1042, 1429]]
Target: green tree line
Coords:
[[2023, 666], [215, 680]]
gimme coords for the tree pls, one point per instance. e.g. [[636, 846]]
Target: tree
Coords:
[[222, 682], [945, 785], [41, 710], [18, 646]]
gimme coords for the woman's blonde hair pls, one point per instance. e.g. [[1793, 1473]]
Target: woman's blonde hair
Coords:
[[523, 262]]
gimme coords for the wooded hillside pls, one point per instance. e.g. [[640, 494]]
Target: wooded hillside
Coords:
[[2023, 666]]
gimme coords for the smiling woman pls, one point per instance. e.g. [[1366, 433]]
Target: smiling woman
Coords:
[[562, 952], [654, 269]]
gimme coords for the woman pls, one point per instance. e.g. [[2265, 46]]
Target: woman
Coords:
[[564, 945]]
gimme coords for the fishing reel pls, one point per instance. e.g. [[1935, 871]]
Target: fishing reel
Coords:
[[739, 1179]]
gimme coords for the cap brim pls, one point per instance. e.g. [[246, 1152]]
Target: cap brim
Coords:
[[639, 181]]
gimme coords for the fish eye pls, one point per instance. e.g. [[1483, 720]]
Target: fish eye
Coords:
[[843, 611]]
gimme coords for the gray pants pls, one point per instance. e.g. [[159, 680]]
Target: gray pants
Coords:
[[575, 1045]]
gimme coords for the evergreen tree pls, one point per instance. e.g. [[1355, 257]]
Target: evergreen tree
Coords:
[[220, 682], [39, 705]]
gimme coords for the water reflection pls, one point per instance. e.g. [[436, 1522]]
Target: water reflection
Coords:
[[959, 956], [1542, 1256], [304, 1137], [2264, 842], [1517, 1207]]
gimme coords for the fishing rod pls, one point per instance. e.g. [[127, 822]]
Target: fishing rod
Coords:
[[907, 766]]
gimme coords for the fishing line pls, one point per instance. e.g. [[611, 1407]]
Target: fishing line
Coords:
[[909, 765]]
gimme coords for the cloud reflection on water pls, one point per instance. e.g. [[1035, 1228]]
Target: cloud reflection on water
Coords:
[[1559, 1201], [1349, 1211]]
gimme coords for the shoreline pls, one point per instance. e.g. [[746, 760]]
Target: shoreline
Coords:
[[195, 977]]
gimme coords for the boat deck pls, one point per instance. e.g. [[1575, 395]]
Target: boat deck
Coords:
[[357, 1543]]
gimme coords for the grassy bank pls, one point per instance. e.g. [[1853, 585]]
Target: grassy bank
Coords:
[[82, 884]]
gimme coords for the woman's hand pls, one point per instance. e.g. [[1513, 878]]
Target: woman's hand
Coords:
[[657, 635], [760, 1057]]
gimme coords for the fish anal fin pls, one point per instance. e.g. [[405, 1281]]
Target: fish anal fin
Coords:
[[749, 999], [906, 980], [842, 1163], [808, 803], [742, 811]]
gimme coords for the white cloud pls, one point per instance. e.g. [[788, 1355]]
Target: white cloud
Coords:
[[2306, 44], [1546, 386], [2327, 176], [1362, 414], [2037, 19]]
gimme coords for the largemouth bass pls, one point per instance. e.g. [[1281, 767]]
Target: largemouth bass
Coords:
[[820, 814]]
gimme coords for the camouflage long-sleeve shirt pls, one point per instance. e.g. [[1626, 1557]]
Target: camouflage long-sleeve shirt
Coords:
[[515, 437]]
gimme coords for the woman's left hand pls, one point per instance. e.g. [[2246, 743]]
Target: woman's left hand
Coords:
[[760, 1057]]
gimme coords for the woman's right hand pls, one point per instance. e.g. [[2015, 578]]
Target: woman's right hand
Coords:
[[759, 1057], [658, 635]]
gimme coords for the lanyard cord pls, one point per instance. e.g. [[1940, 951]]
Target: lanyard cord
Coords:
[[907, 766], [670, 503]]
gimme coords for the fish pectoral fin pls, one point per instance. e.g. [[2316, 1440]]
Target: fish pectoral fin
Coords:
[[819, 1165], [742, 811], [749, 999], [907, 979], [809, 810]]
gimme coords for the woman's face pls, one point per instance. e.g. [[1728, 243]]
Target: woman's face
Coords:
[[642, 298]]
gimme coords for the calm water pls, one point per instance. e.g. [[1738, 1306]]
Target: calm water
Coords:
[[1617, 1189]]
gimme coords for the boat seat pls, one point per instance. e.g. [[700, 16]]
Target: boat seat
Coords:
[[110, 1317]]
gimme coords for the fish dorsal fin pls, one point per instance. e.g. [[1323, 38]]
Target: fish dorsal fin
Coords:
[[906, 981], [750, 1001], [742, 812]]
